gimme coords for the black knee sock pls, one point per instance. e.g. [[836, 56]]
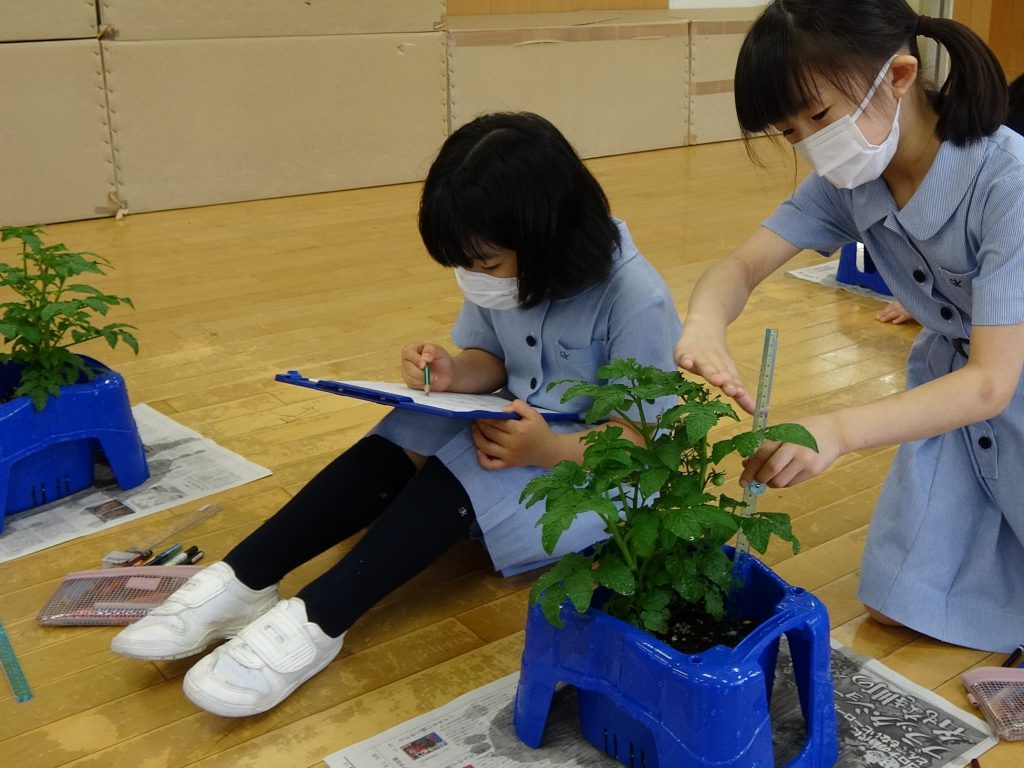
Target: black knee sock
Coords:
[[343, 498], [431, 514]]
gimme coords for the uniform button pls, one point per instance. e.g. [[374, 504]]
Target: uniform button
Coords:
[[985, 442], [533, 383], [947, 313], [531, 341], [919, 275]]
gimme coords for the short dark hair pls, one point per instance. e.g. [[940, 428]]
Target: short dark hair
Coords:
[[512, 180], [846, 42]]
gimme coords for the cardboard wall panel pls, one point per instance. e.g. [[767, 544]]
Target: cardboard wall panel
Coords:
[[610, 87], [188, 19], [211, 121], [47, 19], [715, 39], [478, 7], [713, 117], [54, 151]]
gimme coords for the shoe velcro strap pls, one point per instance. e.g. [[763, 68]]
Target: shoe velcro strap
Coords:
[[281, 642], [199, 590]]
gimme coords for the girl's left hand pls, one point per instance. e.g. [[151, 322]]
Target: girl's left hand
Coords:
[[779, 465], [522, 442], [894, 313]]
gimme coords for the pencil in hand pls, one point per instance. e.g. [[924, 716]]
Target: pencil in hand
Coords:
[[426, 378]]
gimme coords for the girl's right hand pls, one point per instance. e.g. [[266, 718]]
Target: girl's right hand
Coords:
[[781, 465], [708, 356], [442, 367]]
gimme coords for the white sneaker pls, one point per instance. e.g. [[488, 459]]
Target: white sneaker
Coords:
[[263, 664], [210, 606]]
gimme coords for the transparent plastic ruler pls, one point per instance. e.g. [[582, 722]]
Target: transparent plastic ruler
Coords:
[[764, 394], [187, 521], [12, 668]]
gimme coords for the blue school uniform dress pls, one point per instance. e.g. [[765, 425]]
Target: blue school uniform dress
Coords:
[[630, 315], [945, 548]]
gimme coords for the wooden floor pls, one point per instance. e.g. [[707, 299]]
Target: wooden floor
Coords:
[[333, 285]]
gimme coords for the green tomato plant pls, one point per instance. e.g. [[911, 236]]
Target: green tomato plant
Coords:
[[665, 526], [52, 313]]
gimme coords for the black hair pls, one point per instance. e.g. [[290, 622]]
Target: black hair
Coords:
[[846, 42], [512, 180]]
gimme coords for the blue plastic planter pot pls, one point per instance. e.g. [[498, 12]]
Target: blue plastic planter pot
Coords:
[[851, 273], [48, 454], [649, 706]]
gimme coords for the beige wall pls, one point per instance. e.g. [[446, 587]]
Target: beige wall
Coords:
[[264, 98], [192, 103], [564, 65], [478, 7]]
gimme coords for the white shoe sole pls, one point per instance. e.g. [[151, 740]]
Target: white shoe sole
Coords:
[[132, 651], [225, 709]]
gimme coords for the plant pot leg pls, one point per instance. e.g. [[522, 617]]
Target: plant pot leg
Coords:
[[5, 481], [812, 660], [533, 702], [126, 456]]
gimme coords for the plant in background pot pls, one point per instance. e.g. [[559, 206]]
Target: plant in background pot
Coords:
[[54, 312], [647, 687], [57, 407]]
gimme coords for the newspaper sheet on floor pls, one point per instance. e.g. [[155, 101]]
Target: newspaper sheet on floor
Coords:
[[825, 274], [885, 721], [183, 466]]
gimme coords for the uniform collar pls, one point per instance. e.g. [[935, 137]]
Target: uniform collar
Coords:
[[944, 187]]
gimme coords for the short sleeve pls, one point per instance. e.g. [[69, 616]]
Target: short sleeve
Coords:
[[473, 329], [644, 325], [816, 217], [998, 289]]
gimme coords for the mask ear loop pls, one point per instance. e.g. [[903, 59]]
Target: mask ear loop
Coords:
[[874, 88]]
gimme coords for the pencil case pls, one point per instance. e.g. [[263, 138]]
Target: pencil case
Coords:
[[112, 595], [999, 693]]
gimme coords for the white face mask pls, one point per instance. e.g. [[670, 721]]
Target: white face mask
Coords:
[[488, 291], [841, 154]]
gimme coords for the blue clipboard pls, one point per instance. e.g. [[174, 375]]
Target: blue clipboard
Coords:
[[418, 401]]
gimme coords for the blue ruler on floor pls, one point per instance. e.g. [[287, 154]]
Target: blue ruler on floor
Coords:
[[12, 668]]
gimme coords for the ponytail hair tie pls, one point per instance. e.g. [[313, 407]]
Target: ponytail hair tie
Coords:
[[924, 26]]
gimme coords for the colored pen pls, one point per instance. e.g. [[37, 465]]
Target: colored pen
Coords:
[[195, 558], [426, 378], [182, 557], [166, 555], [1014, 657]]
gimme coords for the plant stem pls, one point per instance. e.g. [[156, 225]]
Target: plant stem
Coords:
[[620, 540], [702, 456]]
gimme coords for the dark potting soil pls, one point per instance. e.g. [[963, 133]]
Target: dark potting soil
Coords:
[[691, 629]]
